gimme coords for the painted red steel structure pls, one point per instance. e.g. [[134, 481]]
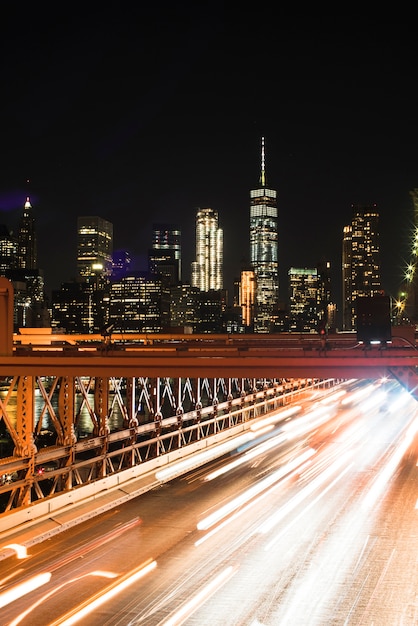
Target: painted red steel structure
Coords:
[[192, 374]]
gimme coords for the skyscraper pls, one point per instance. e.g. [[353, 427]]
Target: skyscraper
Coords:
[[264, 250], [165, 256], [247, 297], [303, 288], [8, 250], [27, 239], [360, 261], [94, 248], [207, 269]]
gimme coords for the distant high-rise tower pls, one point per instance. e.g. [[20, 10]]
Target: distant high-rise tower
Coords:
[[360, 261], [165, 256], [247, 297], [28, 257], [305, 299], [264, 250], [207, 269], [9, 250], [94, 248]]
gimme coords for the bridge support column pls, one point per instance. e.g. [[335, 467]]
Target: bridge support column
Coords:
[[101, 408], [25, 426], [67, 436], [6, 317]]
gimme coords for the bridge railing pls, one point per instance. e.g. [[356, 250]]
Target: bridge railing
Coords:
[[57, 469]]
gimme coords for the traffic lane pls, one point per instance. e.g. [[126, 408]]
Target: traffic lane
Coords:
[[388, 565], [281, 581], [159, 521], [165, 526]]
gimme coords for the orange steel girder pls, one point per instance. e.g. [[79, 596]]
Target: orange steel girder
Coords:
[[210, 363]]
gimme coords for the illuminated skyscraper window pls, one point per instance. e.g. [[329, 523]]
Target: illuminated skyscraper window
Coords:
[[8, 250], [207, 269], [247, 297], [94, 248], [305, 299], [27, 239], [165, 256], [360, 261], [264, 250]]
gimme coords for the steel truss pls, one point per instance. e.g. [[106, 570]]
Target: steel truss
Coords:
[[65, 432]]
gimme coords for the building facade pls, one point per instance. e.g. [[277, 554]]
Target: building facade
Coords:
[[207, 269], [264, 250], [305, 300], [139, 303], [360, 261], [19, 264], [247, 291], [94, 249], [165, 254], [27, 240]]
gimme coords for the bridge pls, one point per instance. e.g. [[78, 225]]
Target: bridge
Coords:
[[77, 410]]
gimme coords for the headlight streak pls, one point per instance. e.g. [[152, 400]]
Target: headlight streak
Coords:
[[293, 521], [333, 396], [29, 610], [277, 517], [267, 482], [20, 590], [233, 517], [200, 598], [403, 399], [390, 467], [93, 603], [358, 395], [372, 403], [199, 458], [21, 551], [307, 423], [338, 559], [248, 456], [279, 416]]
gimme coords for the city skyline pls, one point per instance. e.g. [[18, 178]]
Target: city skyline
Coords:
[[284, 284], [146, 114]]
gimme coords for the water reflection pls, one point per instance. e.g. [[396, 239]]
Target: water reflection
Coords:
[[42, 413]]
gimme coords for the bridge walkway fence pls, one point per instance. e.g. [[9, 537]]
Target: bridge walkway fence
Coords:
[[221, 408]]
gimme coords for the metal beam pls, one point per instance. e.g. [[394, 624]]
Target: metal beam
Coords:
[[226, 362]]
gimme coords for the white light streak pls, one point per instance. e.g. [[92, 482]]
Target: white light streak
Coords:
[[20, 550], [190, 607], [176, 469], [267, 482], [108, 595], [23, 588], [387, 472]]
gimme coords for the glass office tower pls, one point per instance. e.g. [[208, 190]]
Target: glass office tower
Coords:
[[264, 250], [207, 269], [360, 261], [165, 256], [94, 248]]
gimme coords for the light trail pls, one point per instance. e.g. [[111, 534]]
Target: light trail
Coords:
[[33, 606], [93, 603], [200, 598], [20, 590], [258, 488]]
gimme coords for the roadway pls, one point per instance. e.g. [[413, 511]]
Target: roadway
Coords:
[[311, 522]]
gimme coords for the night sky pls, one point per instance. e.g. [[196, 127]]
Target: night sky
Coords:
[[142, 115]]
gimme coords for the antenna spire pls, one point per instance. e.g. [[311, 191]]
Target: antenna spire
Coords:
[[263, 180]]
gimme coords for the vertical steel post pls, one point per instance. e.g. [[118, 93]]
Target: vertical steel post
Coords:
[[6, 317]]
